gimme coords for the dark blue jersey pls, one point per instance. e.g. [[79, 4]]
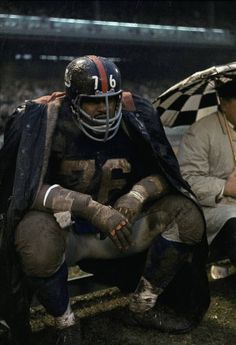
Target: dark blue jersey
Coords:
[[24, 161], [103, 170]]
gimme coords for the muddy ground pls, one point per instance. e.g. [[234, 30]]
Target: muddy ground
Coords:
[[217, 328]]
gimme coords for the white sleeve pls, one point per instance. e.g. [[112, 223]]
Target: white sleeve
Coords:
[[194, 164]]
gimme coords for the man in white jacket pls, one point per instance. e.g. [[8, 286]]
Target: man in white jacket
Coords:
[[207, 157]]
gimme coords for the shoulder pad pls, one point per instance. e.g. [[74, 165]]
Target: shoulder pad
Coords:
[[49, 98], [128, 102]]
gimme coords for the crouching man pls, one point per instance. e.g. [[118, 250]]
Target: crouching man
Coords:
[[96, 184]]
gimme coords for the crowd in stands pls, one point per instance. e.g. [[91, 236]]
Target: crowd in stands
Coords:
[[190, 13], [16, 91]]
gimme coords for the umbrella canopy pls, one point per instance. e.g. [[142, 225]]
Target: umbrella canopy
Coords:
[[194, 97]]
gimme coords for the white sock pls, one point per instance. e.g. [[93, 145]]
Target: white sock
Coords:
[[65, 320], [145, 297]]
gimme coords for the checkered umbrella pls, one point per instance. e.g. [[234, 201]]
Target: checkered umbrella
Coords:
[[193, 97]]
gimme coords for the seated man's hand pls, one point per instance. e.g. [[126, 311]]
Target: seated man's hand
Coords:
[[230, 185], [149, 188], [129, 206], [114, 224], [64, 202]]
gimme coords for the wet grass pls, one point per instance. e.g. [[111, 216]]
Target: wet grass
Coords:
[[217, 328]]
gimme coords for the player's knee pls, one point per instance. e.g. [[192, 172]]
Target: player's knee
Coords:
[[40, 244], [186, 222], [193, 235]]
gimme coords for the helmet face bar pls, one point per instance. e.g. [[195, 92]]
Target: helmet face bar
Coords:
[[93, 78]]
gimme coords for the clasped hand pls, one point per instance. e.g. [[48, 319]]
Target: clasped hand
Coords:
[[129, 206], [114, 224]]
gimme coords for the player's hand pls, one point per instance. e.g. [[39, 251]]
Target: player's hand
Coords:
[[129, 206], [114, 224], [230, 185]]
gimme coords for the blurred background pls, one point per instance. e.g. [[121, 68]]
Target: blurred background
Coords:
[[154, 43]]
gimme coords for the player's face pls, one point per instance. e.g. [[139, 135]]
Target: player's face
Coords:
[[96, 107], [229, 108]]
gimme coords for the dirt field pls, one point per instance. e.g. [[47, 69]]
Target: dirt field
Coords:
[[217, 328]]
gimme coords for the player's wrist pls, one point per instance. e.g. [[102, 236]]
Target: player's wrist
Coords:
[[149, 188], [137, 195], [58, 199]]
